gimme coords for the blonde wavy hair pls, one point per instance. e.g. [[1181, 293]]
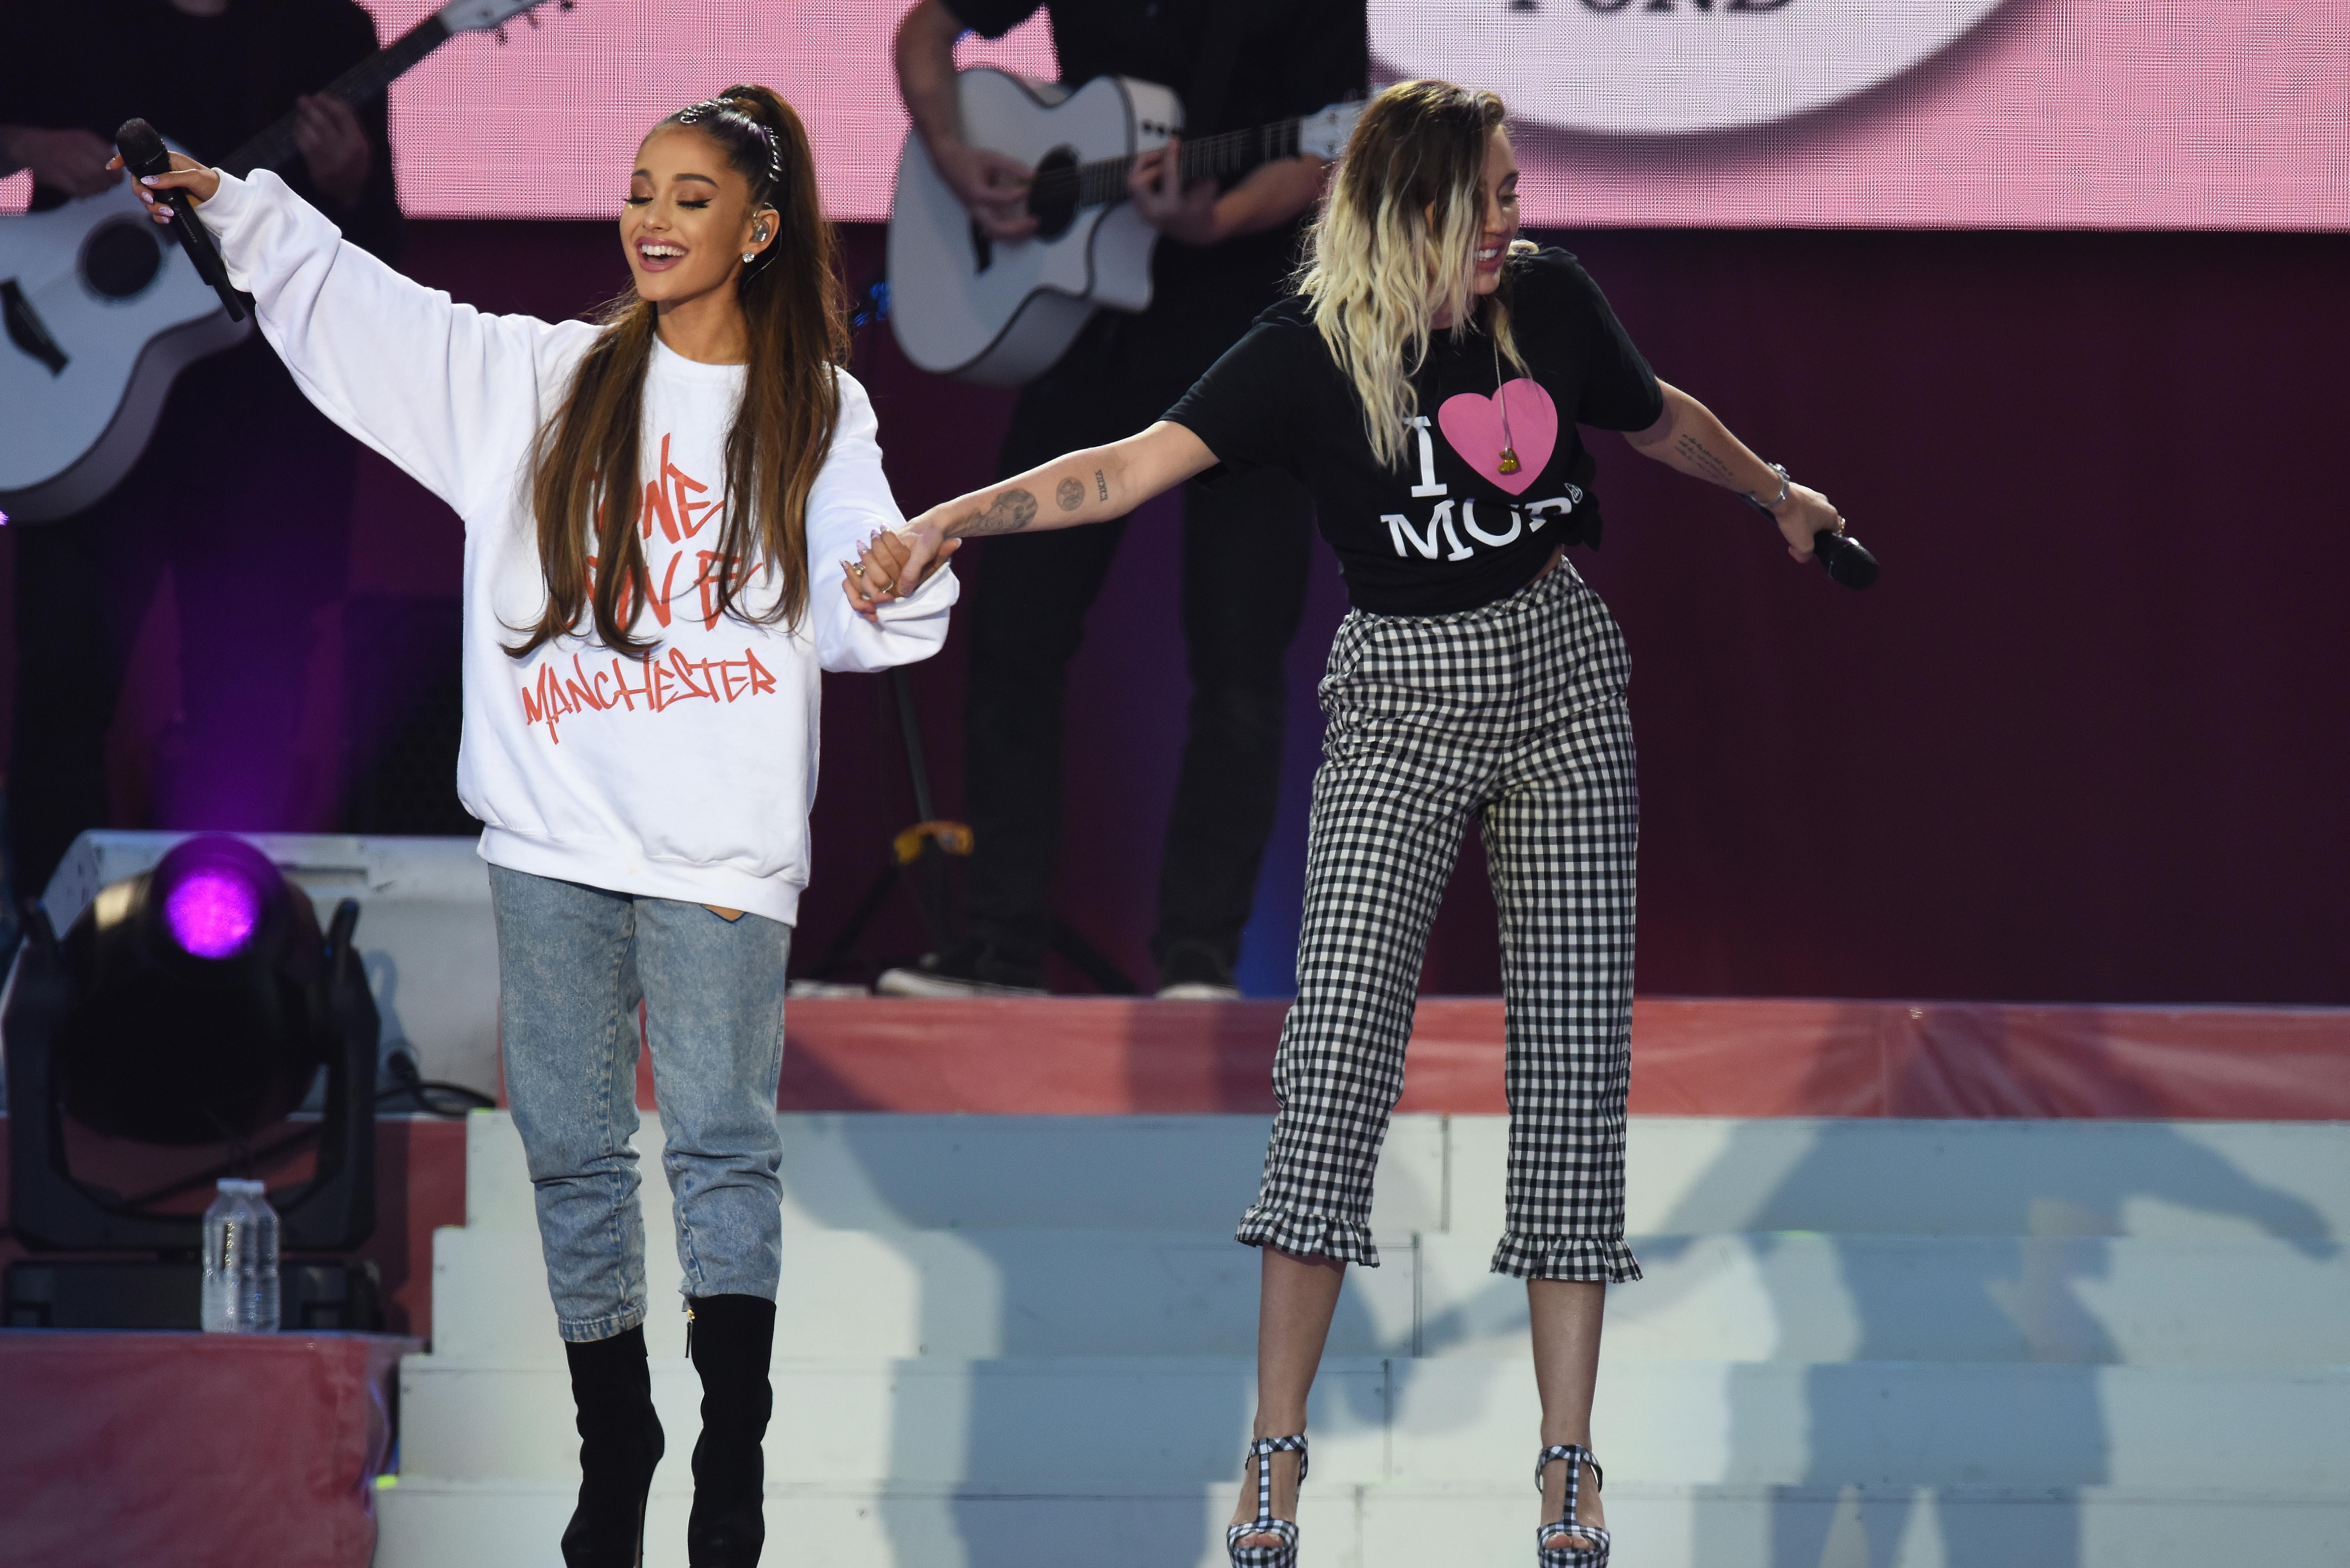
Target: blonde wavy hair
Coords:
[[1396, 244]]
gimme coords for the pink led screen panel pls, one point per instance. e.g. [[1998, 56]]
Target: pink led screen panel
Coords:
[[1901, 113]]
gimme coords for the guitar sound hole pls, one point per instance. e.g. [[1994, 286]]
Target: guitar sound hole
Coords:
[[1053, 195], [120, 258]]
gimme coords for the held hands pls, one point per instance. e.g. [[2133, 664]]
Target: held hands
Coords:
[[992, 186], [1804, 513], [893, 565], [201, 183], [1183, 212]]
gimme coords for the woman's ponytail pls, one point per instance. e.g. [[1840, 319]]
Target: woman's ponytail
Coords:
[[586, 481]]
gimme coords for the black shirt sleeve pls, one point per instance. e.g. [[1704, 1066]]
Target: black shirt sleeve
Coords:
[[1619, 390], [15, 63], [1330, 57], [991, 18], [29, 70], [1242, 408]]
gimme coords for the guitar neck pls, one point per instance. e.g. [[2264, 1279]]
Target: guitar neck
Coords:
[[1219, 157], [364, 81]]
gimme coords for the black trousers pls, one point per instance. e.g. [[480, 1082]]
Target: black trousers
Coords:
[[1246, 540], [245, 495]]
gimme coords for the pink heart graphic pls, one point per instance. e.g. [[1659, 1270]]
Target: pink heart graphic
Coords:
[[1474, 427]]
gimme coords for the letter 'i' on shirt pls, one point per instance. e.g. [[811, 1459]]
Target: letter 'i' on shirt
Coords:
[[1448, 529]]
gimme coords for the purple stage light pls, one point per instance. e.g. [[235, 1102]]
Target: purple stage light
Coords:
[[212, 913]]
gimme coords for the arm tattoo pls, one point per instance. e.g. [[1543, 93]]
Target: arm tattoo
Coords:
[[1700, 457], [1011, 511], [1101, 484], [1070, 494]]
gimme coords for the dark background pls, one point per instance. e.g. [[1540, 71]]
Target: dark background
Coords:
[[2084, 741]]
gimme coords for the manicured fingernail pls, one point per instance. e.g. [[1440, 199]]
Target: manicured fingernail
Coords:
[[151, 179]]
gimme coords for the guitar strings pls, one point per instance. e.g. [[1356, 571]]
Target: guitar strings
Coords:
[[1103, 180]]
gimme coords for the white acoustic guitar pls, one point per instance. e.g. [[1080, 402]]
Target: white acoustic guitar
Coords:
[[102, 312], [1002, 311]]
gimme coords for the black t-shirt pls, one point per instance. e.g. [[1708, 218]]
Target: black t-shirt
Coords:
[[1448, 530], [1235, 64], [209, 83]]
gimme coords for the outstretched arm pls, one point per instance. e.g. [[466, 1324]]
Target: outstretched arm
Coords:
[[450, 395], [1688, 437], [1095, 485]]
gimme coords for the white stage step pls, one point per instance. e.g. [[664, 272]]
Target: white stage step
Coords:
[[1072, 1422], [975, 1293], [516, 1524], [1860, 1345], [1685, 1176]]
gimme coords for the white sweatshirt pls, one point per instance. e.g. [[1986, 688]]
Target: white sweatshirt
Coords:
[[687, 774]]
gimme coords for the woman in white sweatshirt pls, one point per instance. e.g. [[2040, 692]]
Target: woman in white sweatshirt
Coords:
[[651, 505]]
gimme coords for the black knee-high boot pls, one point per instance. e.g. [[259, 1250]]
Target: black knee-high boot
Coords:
[[733, 1337], [620, 1444]]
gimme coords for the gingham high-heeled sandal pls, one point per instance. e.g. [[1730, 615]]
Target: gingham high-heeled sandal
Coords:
[[1284, 1555], [1564, 1527]]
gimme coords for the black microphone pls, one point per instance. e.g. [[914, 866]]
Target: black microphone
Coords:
[[1839, 555], [1844, 558], [143, 153]]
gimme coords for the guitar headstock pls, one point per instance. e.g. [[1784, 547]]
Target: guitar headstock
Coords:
[[487, 16], [1325, 134]]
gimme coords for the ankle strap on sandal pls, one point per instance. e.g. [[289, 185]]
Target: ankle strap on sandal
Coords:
[[1581, 1456], [1263, 1448]]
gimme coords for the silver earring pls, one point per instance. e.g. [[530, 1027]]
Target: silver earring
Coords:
[[750, 256]]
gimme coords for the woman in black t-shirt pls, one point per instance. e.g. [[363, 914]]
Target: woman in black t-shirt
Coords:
[[1426, 384]]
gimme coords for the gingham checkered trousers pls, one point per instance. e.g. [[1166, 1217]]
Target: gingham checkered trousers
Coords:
[[1514, 714]]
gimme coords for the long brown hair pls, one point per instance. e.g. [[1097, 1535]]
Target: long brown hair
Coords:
[[586, 488], [1395, 243]]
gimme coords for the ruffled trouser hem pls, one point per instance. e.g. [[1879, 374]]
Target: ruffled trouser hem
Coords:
[[1307, 1235], [1581, 1259]]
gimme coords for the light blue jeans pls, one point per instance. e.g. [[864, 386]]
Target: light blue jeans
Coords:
[[574, 962]]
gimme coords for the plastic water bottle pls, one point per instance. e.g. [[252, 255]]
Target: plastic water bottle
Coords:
[[240, 1260]]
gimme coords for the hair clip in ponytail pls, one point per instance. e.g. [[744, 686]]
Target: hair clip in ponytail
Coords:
[[693, 112]]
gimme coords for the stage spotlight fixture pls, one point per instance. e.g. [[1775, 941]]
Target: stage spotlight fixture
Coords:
[[192, 1004]]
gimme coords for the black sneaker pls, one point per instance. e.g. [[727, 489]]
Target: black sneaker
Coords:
[[969, 969], [1195, 973]]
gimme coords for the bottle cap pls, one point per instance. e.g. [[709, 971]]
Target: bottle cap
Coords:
[[251, 1189]]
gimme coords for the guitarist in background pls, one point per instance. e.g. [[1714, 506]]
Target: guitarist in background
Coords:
[[245, 493], [1222, 257]]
